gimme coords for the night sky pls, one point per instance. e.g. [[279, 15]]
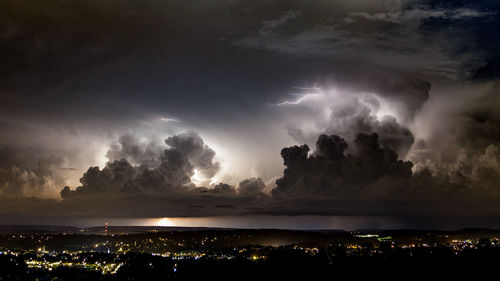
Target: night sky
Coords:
[[380, 111]]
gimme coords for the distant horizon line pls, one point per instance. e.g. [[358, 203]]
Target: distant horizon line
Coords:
[[245, 228]]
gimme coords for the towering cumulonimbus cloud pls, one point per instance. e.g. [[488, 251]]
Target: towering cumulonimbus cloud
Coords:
[[356, 115], [373, 179], [174, 172], [168, 171], [329, 172], [130, 148], [347, 114], [198, 153]]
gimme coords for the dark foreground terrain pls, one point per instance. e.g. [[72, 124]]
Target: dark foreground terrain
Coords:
[[231, 254]]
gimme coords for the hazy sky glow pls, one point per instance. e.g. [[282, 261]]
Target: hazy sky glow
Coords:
[[276, 222], [199, 112]]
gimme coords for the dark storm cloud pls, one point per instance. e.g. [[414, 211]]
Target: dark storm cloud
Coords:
[[134, 151], [397, 50], [196, 151], [349, 116], [168, 171], [169, 178], [329, 172], [107, 64], [361, 177], [74, 75], [199, 53], [162, 189], [251, 186], [329, 181], [353, 116], [372, 69], [371, 180], [307, 33]]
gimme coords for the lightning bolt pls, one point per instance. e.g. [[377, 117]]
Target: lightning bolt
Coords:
[[316, 90], [304, 97]]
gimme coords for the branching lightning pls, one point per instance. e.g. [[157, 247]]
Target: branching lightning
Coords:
[[303, 97]]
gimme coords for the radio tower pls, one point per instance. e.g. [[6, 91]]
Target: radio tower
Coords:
[[106, 227]]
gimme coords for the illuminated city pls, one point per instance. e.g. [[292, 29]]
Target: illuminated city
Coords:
[[111, 253]]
